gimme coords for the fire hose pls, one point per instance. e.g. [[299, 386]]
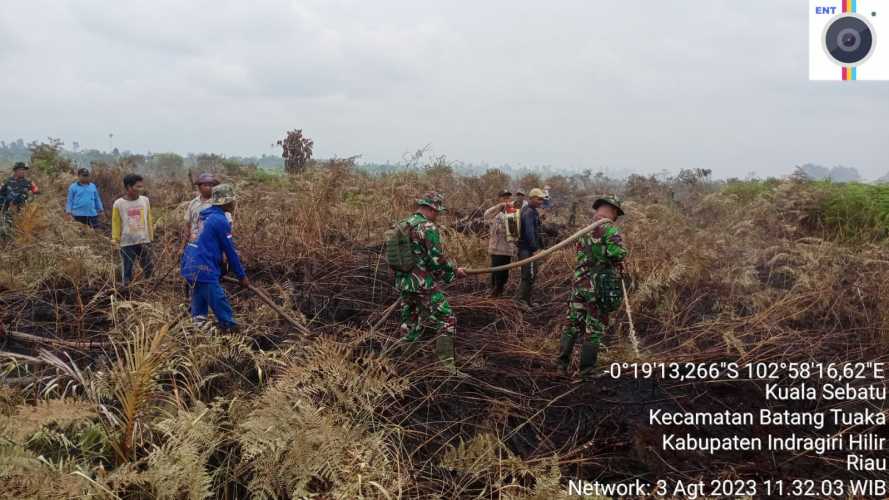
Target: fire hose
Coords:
[[558, 246], [301, 328], [388, 312], [533, 258]]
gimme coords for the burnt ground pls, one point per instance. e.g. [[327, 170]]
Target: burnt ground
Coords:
[[596, 430], [599, 430]]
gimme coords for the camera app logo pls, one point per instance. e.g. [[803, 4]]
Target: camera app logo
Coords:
[[846, 40]]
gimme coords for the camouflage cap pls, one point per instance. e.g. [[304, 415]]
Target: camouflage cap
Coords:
[[434, 200], [223, 194], [20, 165], [207, 178], [612, 200]]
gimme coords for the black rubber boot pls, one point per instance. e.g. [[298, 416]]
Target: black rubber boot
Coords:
[[524, 293], [566, 350], [589, 354]]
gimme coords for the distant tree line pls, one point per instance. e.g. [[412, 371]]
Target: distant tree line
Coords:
[[51, 156], [838, 173]]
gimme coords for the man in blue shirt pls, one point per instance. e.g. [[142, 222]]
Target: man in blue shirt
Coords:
[[84, 203], [529, 243], [202, 261]]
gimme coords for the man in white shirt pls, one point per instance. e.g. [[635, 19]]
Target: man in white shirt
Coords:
[[132, 227], [205, 184], [500, 248]]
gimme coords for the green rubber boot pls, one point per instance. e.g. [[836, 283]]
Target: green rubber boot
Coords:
[[444, 349], [589, 354], [566, 349]]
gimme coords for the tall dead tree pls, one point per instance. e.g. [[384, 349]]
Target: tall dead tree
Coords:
[[297, 151]]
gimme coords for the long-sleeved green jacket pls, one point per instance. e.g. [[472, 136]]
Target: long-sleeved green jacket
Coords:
[[600, 250], [432, 264]]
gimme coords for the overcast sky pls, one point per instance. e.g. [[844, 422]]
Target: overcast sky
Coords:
[[718, 84]]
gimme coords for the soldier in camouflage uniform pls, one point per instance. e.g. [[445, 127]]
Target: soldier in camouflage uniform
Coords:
[[17, 189], [14, 193], [597, 287], [424, 306]]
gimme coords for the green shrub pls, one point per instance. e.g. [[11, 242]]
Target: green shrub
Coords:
[[46, 157], [750, 190], [855, 211], [265, 176]]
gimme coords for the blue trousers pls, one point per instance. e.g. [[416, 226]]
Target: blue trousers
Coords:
[[206, 296]]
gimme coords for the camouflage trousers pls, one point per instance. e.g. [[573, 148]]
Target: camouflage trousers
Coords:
[[422, 312], [584, 315]]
